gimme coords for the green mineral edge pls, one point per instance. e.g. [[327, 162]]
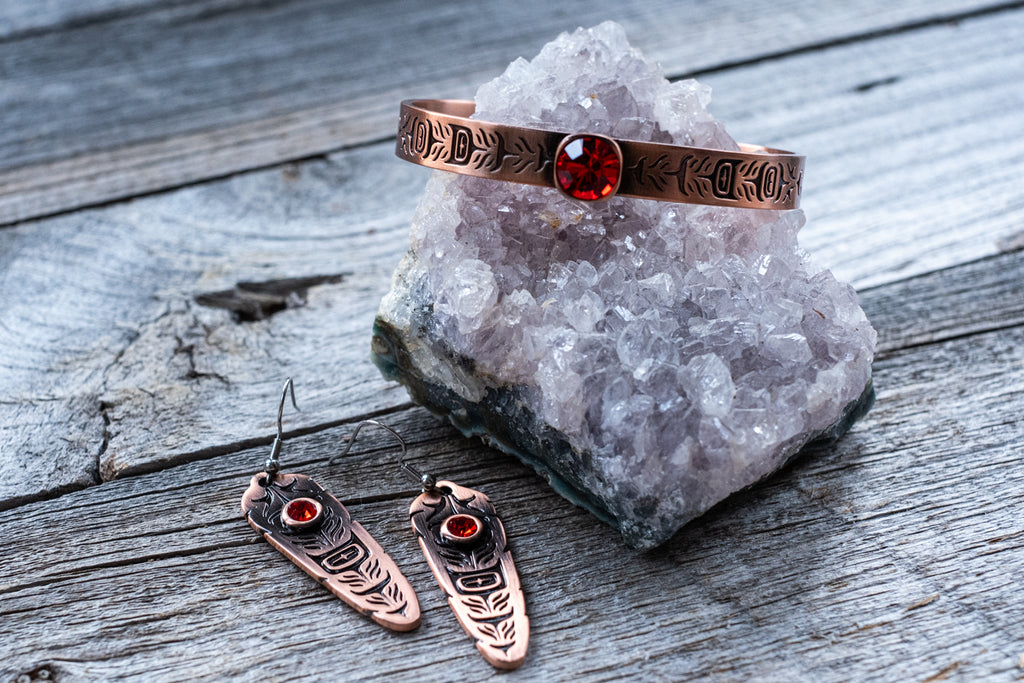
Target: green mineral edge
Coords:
[[503, 422]]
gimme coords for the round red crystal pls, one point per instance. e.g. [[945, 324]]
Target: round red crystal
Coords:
[[462, 526], [587, 167], [301, 510]]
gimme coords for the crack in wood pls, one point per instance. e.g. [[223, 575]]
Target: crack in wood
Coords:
[[104, 408], [871, 85], [89, 570], [189, 352]]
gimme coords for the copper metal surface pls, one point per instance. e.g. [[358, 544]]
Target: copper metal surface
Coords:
[[479, 578], [337, 552], [439, 134]]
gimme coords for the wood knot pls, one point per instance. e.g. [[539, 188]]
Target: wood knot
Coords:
[[40, 674], [252, 301]]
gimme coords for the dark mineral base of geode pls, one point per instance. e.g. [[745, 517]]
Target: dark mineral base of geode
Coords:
[[504, 422]]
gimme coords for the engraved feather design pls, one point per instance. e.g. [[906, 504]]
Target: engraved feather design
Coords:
[[479, 578], [339, 553]]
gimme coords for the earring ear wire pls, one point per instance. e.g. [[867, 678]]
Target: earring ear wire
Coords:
[[273, 464], [427, 481]]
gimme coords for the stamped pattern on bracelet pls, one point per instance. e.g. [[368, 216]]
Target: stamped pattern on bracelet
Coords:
[[692, 175], [684, 176], [478, 148]]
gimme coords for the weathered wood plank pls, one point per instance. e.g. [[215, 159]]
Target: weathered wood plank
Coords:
[[102, 321], [19, 18], [177, 353], [144, 101], [975, 297], [895, 554], [103, 329], [913, 144], [899, 543]]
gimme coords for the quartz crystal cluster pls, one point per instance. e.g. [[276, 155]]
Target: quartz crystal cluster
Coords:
[[649, 358]]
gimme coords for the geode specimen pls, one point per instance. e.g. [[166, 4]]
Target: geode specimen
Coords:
[[649, 358]]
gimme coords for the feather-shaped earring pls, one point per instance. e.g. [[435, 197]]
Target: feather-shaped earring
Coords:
[[464, 543], [315, 531]]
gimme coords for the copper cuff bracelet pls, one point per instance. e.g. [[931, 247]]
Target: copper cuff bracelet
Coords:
[[439, 134]]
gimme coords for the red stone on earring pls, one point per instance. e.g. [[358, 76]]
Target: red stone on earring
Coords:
[[302, 510], [301, 513], [588, 167], [461, 528]]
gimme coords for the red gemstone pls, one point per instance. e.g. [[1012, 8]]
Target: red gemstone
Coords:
[[587, 167], [461, 526], [301, 510]]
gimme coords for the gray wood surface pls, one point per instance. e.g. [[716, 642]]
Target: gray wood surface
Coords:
[[864, 546], [144, 341], [106, 330], [120, 101]]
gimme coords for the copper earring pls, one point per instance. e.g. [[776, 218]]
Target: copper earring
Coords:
[[313, 529], [464, 543]]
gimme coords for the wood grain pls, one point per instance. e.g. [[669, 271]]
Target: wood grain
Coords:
[[21, 18], [102, 325], [143, 345], [912, 141], [120, 101], [105, 332], [979, 296], [842, 553]]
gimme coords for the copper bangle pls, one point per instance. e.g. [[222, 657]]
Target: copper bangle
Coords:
[[439, 134]]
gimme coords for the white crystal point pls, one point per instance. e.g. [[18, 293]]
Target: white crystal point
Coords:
[[652, 357]]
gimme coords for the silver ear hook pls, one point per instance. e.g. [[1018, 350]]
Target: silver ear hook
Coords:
[[427, 481], [273, 464]]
